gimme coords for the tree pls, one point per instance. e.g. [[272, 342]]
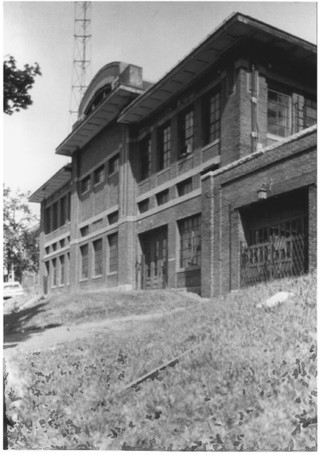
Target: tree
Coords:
[[16, 85], [20, 234]]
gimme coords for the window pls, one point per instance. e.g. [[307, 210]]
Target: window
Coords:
[[63, 213], [113, 253], [184, 187], [85, 185], [114, 164], [211, 114], [54, 246], [98, 175], [145, 157], [84, 231], [62, 270], [186, 133], [279, 121], [310, 113], [84, 251], [47, 220], [113, 217], [164, 141], [190, 241], [54, 272], [162, 197], [143, 206], [47, 250], [69, 207], [55, 216], [97, 249], [62, 243]]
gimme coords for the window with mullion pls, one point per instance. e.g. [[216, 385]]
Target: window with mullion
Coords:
[[279, 117], [113, 252], [186, 132], [145, 157], [310, 112], [84, 251], [62, 270], [211, 117], [97, 249], [164, 146], [190, 241]]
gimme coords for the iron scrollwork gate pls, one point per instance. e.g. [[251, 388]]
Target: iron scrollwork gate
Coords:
[[282, 253]]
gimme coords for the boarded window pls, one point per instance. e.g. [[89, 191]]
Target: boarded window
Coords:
[[98, 175], [84, 252], [113, 252], [97, 250]]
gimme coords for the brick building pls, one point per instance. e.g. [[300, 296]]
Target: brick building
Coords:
[[205, 180]]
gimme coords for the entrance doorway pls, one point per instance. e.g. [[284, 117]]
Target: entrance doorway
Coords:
[[276, 244], [154, 259]]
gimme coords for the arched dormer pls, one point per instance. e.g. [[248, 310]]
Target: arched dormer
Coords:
[[100, 86]]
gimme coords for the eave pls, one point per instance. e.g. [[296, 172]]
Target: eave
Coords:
[[57, 181], [104, 114], [234, 30]]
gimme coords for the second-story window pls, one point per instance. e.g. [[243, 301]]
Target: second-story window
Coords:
[[114, 164], [164, 141], [85, 185], [310, 112], [186, 132], [98, 175], [145, 157], [211, 120], [279, 118]]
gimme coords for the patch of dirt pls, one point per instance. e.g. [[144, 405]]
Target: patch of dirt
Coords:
[[48, 339]]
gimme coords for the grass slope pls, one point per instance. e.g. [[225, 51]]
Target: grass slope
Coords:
[[250, 386]]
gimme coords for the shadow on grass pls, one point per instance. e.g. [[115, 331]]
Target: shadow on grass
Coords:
[[15, 329]]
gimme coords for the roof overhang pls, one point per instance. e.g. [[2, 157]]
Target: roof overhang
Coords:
[[91, 125], [57, 181], [228, 35]]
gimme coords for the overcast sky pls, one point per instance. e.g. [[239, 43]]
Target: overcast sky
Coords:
[[154, 35]]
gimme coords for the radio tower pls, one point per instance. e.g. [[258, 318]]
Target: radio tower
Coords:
[[81, 56]]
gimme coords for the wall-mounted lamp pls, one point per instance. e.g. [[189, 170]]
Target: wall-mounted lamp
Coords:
[[263, 192]]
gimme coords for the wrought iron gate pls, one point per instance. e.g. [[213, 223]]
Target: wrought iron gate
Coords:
[[280, 256]]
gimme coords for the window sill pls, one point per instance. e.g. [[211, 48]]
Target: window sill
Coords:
[[113, 174], [162, 171], [187, 156], [82, 280], [97, 277], [277, 138], [211, 144], [141, 182], [188, 269], [112, 273]]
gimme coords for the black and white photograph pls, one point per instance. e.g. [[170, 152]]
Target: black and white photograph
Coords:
[[160, 226]]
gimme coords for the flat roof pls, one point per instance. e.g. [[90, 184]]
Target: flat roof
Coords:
[[57, 181], [231, 32]]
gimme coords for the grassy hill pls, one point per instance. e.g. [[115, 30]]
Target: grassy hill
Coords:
[[248, 384]]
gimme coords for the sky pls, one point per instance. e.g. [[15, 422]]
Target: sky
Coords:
[[154, 35]]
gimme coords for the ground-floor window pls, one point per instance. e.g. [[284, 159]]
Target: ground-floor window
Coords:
[[84, 251], [190, 241], [97, 260], [62, 270], [54, 272], [113, 252]]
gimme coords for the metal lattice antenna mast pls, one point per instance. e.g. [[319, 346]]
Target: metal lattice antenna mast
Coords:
[[81, 56]]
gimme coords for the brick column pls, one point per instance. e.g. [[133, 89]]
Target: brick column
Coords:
[[208, 274], [312, 240]]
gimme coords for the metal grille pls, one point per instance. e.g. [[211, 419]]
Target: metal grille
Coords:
[[277, 258]]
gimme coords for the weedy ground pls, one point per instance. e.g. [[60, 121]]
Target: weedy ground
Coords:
[[249, 385]]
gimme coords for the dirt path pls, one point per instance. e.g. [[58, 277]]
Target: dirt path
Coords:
[[49, 338]]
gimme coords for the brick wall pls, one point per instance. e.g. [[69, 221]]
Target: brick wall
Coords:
[[285, 168]]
